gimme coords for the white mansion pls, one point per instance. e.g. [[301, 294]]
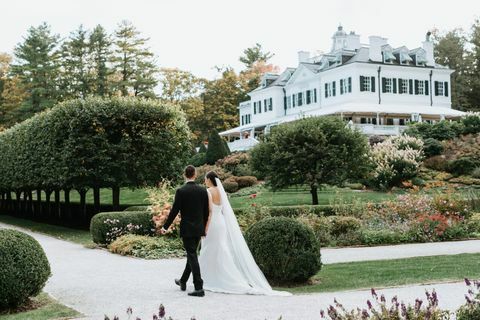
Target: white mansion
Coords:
[[375, 87]]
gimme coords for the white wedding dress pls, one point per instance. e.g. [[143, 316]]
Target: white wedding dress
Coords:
[[226, 262]]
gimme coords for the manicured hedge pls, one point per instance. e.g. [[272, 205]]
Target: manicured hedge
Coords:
[[294, 211], [284, 249], [137, 208], [94, 143], [105, 227], [24, 268]]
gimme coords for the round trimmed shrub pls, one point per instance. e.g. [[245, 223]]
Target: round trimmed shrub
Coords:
[[344, 224], [286, 250], [464, 165], [230, 186], [105, 227], [24, 268], [246, 181], [432, 147]]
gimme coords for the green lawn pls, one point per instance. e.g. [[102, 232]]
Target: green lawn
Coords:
[[294, 197], [390, 273], [82, 237], [45, 307]]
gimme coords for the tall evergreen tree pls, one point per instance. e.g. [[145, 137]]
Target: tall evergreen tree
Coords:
[[474, 74], [36, 64], [450, 51], [216, 148], [75, 78], [133, 62], [255, 54], [100, 52]]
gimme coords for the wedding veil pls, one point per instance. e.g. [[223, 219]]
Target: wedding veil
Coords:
[[241, 253]]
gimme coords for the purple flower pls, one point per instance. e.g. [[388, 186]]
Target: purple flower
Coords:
[[382, 298], [467, 282], [373, 292], [369, 304], [155, 317], [365, 314], [322, 313], [161, 311], [129, 311]]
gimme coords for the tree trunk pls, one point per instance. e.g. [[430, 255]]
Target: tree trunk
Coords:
[[67, 204], [39, 203], [17, 204], [116, 198], [83, 203], [9, 201], [29, 197], [96, 199], [313, 191], [48, 194], [57, 204]]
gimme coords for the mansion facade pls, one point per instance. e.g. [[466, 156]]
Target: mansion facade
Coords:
[[376, 88]]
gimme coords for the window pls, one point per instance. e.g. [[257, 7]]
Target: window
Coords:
[[367, 83], [441, 88], [349, 84], [315, 95], [294, 96], [345, 85], [326, 90], [243, 120], [389, 121], [401, 122], [333, 88], [265, 105], [387, 86], [419, 87], [254, 108], [402, 86], [300, 98], [289, 102], [329, 89], [270, 104], [309, 96], [259, 103]]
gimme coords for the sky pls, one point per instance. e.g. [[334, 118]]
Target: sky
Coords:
[[197, 35]]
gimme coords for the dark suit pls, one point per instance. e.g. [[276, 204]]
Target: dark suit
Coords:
[[191, 201]]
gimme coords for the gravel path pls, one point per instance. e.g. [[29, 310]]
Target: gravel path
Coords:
[[96, 282]]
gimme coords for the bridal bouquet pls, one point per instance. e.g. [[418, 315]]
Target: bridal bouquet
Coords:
[[160, 199]]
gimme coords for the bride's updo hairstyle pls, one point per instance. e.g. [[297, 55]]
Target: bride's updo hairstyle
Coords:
[[212, 176]]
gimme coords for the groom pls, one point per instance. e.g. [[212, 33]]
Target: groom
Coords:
[[191, 201]]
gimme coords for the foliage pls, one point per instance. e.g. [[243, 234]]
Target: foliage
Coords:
[[199, 159], [24, 265], [216, 148], [286, 250], [438, 163], [105, 227], [396, 159], [230, 185], [432, 147], [237, 163], [442, 130], [133, 63], [160, 199], [147, 247], [473, 223], [464, 165], [95, 142], [379, 309], [471, 309], [203, 170], [344, 224], [312, 151], [255, 54], [246, 181]]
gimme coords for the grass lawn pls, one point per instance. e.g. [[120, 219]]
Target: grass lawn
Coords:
[[42, 307], [293, 197], [78, 236], [390, 273]]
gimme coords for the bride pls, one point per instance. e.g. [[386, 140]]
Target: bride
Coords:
[[225, 260]]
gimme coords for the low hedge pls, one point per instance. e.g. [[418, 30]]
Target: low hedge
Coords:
[[137, 208], [24, 268], [294, 211], [105, 227], [284, 249]]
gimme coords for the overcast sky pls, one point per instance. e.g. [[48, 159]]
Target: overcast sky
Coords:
[[196, 35]]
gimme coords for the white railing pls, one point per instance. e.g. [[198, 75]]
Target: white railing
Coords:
[[242, 144], [372, 129]]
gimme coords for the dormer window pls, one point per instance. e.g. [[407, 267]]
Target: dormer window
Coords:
[[388, 56], [405, 58], [421, 58]]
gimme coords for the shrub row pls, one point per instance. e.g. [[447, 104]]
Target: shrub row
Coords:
[[105, 227], [294, 211]]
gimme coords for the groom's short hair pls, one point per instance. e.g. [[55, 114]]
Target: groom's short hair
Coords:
[[189, 172]]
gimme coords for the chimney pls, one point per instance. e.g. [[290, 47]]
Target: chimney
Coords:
[[303, 56], [353, 41], [428, 47], [375, 51]]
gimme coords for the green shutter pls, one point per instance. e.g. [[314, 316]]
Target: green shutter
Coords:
[[349, 84], [333, 88], [384, 85], [416, 86], [341, 86], [394, 84], [372, 84], [362, 87], [400, 90], [410, 86], [427, 91], [436, 88], [445, 88]]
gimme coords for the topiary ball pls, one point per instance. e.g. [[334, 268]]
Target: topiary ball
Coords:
[[286, 250], [24, 268]]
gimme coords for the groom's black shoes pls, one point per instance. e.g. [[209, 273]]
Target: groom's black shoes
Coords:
[[182, 285], [197, 293]]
